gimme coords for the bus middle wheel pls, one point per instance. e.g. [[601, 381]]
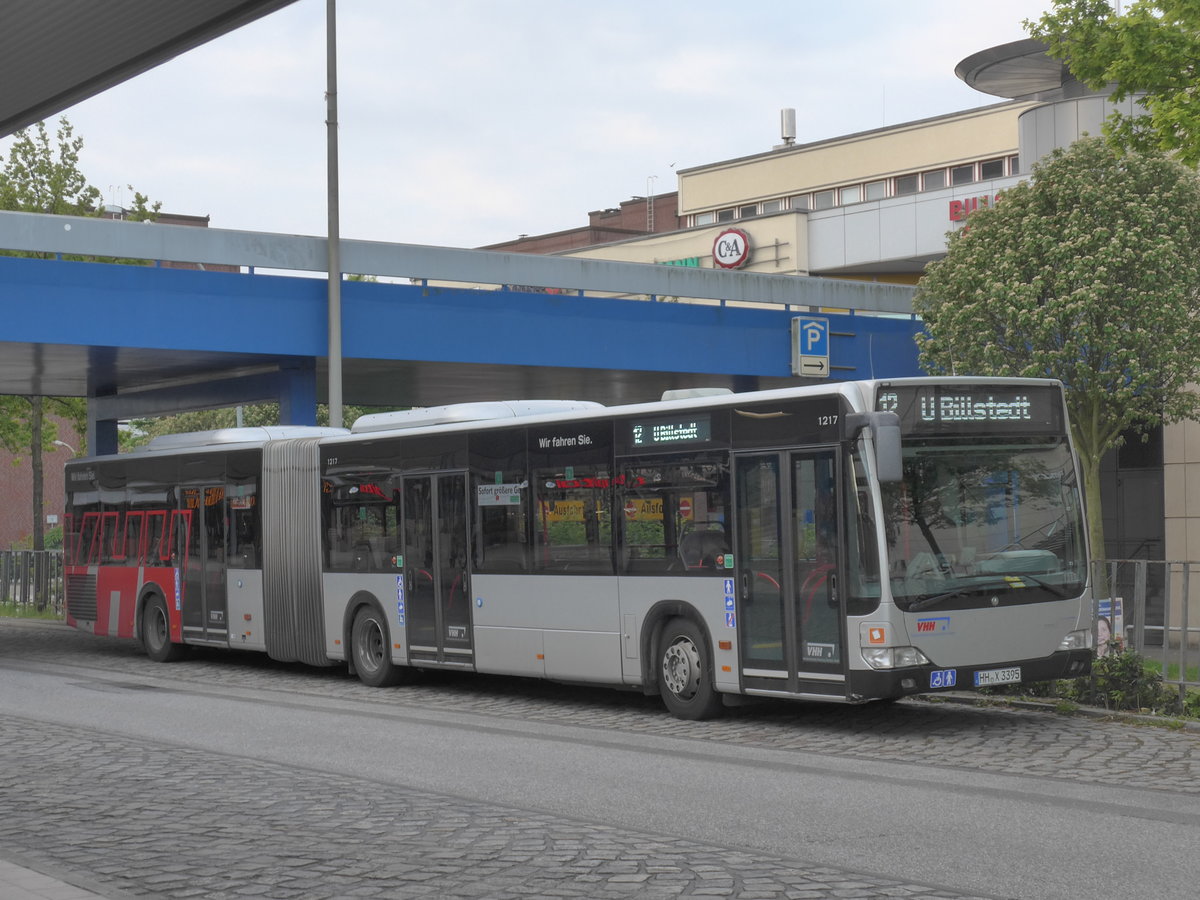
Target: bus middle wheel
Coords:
[[685, 676], [371, 650]]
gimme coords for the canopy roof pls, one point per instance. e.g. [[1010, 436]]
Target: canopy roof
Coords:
[[55, 53]]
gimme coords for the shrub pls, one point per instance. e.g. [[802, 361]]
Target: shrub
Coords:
[[1121, 681]]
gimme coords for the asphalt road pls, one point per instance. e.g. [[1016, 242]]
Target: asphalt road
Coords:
[[228, 775]]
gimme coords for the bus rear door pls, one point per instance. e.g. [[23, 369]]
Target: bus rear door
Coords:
[[204, 587], [435, 569]]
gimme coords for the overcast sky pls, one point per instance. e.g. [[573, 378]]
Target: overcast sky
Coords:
[[468, 122]]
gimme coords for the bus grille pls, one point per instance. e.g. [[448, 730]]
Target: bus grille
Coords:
[[81, 597]]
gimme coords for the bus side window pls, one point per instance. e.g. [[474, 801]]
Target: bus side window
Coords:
[[244, 528], [361, 513], [87, 553], [151, 551], [179, 536], [501, 542], [573, 521], [69, 539], [109, 537], [131, 537]]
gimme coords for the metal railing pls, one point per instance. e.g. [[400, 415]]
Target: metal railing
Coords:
[[1153, 608], [32, 580]]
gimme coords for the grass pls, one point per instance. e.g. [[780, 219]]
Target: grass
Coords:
[[11, 610], [1172, 672]]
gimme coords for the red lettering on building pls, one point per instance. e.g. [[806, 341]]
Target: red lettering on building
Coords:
[[960, 209]]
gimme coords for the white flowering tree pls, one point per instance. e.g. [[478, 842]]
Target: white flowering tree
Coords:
[[1089, 272]]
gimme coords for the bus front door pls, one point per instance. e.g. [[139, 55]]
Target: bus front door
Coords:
[[435, 569], [790, 621]]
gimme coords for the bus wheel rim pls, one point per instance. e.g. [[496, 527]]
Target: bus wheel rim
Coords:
[[681, 668], [372, 646], [158, 626]]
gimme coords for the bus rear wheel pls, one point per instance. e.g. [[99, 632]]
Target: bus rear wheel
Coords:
[[156, 632], [371, 650], [685, 678]]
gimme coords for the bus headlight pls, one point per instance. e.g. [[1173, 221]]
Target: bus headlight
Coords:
[[894, 657], [1076, 640]]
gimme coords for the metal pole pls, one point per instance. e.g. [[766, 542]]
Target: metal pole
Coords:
[[334, 268]]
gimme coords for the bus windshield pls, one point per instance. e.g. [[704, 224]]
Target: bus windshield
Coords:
[[984, 522]]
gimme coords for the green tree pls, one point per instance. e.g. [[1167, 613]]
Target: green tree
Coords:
[[1090, 273], [1152, 49], [42, 175], [24, 429]]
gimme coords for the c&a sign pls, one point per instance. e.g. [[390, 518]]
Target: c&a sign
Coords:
[[731, 249]]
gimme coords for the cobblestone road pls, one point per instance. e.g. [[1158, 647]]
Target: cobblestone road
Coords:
[[135, 818]]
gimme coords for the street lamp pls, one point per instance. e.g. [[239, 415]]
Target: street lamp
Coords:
[[74, 452]]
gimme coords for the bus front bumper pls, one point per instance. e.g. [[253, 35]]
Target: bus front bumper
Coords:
[[891, 683]]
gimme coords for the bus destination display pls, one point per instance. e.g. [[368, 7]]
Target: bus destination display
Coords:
[[980, 409], [664, 432]]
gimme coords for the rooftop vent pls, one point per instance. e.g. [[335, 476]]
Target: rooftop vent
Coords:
[[693, 393], [787, 127], [466, 412], [248, 435]]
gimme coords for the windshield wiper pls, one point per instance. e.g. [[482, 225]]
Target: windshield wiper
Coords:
[[926, 602], [992, 581], [1056, 589]]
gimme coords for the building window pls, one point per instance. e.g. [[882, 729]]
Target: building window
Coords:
[[931, 181], [746, 212], [875, 190], [725, 215], [851, 194], [962, 174], [991, 168], [706, 218], [1014, 165], [823, 200], [772, 206], [906, 184], [800, 201]]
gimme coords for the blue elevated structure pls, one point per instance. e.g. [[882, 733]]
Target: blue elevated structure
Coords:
[[454, 325]]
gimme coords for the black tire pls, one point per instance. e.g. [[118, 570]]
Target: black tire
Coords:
[[685, 676], [156, 632], [371, 650]]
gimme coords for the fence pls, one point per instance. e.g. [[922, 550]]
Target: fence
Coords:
[[32, 579], [1153, 608]]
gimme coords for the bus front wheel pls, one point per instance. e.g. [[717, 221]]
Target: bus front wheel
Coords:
[[685, 679], [156, 632], [372, 651]]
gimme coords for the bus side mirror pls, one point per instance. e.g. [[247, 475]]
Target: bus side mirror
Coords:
[[885, 434]]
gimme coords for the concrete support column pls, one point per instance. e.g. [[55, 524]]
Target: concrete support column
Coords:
[[101, 433], [298, 393]]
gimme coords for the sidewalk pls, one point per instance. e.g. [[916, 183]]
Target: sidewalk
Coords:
[[17, 883]]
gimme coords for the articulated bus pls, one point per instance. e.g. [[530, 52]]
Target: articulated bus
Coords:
[[850, 542]]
